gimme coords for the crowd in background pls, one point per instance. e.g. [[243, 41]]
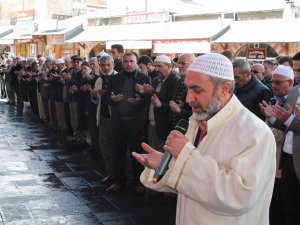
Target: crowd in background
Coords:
[[114, 102]]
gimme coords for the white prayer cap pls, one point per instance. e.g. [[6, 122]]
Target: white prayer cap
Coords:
[[163, 58], [213, 64], [102, 53], [93, 59], [59, 61], [285, 71]]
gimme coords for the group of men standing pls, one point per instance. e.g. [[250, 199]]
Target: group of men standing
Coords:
[[115, 102]]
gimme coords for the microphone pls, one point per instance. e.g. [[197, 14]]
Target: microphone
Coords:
[[182, 127]]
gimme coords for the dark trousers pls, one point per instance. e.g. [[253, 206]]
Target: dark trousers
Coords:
[[127, 133], [2, 87], [106, 143], [276, 207], [290, 185], [19, 94], [32, 95], [68, 118], [93, 131]]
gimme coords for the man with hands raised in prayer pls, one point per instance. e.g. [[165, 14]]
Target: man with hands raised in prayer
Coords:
[[222, 175]]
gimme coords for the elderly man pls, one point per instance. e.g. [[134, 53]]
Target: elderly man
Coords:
[[217, 182], [282, 82], [258, 70], [103, 116], [164, 89], [283, 117], [249, 90]]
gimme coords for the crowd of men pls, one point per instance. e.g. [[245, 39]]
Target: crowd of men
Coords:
[[115, 102]]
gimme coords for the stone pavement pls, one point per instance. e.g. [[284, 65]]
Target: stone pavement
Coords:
[[44, 181]]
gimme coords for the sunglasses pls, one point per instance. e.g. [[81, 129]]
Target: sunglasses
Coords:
[[278, 82]]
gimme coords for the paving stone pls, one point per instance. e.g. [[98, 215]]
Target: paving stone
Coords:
[[74, 182], [45, 181], [13, 212]]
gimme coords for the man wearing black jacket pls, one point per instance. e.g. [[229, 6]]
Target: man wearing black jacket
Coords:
[[127, 111]]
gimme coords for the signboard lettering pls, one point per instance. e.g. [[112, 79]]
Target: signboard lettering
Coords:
[[256, 54], [145, 18]]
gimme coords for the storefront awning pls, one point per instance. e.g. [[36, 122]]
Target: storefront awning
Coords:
[[155, 31], [9, 39], [4, 31], [131, 44], [67, 32], [263, 31]]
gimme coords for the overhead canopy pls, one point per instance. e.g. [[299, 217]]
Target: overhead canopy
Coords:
[[14, 35], [68, 32], [156, 31], [4, 31], [264, 31]]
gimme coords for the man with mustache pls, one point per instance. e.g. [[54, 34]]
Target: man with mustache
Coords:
[[227, 176]]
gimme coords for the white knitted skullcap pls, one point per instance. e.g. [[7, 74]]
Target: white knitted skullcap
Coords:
[[59, 61], [163, 58], [102, 53], [213, 64], [285, 71]]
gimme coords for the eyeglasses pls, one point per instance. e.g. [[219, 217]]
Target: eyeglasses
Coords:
[[278, 82], [183, 63], [254, 71]]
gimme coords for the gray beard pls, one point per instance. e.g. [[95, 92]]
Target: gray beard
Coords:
[[213, 108]]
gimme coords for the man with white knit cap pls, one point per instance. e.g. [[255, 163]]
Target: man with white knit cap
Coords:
[[282, 81], [222, 175], [284, 117], [164, 89]]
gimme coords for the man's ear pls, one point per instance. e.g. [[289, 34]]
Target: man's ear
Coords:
[[224, 88]]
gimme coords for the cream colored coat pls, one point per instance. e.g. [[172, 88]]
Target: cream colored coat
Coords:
[[228, 179]]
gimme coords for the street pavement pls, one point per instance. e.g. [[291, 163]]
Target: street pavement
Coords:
[[43, 180]]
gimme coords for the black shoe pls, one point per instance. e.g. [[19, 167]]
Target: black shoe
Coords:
[[107, 180]]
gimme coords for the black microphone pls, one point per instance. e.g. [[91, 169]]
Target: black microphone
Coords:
[[181, 126]]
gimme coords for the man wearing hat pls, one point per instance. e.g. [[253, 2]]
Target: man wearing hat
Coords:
[[282, 82], [73, 87], [58, 95], [285, 119], [164, 89], [222, 174]]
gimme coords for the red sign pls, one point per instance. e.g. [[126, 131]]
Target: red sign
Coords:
[[153, 17]]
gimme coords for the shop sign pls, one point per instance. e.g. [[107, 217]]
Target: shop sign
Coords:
[[256, 54], [153, 17]]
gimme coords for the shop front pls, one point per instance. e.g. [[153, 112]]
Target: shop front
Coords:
[[53, 42], [168, 37], [260, 40]]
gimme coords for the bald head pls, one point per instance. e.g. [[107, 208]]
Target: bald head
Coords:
[[258, 70]]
